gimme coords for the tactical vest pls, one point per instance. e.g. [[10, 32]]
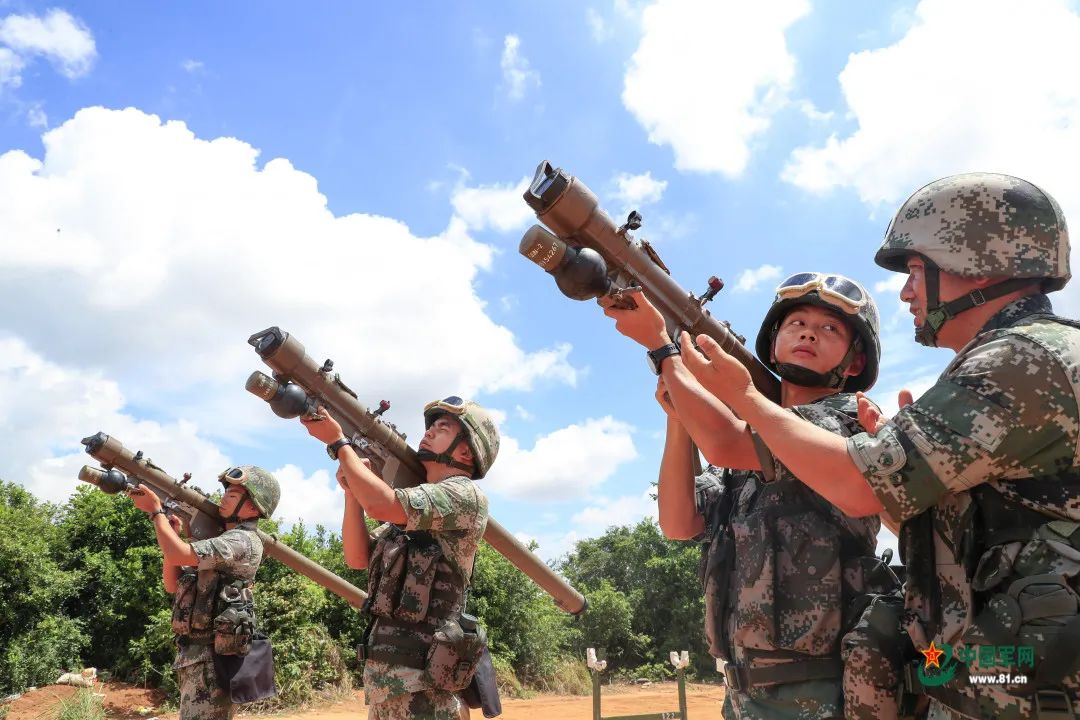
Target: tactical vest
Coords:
[[1023, 567], [214, 608], [794, 580], [416, 599]]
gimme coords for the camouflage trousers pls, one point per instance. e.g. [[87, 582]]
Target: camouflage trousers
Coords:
[[427, 705], [200, 696], [809, 700]]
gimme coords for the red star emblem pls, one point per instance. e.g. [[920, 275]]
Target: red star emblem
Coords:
[[933, 656]]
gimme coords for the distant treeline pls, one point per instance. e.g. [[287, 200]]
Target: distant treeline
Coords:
[[80, 585]]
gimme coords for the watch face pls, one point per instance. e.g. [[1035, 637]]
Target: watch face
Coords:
[[652, 363]]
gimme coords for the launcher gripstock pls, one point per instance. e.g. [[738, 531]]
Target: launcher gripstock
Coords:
[[300, 385], [591, 257], [118, 462]]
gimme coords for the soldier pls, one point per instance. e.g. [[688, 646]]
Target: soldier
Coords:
[[419, 650], [211, 583], [781, 566], [981, 469]]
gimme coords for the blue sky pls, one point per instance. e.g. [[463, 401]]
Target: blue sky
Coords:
[[174, 177]]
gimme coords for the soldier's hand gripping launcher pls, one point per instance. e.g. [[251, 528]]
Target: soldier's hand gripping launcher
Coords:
[[299, 385], [121, 467], [591, 257]]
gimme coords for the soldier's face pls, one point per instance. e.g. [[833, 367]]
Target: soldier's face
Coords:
[[814, 338], [950, 287], [441, 433], [232, 499]]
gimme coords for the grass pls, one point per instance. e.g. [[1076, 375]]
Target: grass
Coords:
[[83, 705]]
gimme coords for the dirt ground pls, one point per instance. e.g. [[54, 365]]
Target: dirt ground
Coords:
[[125, 702], [121, 702]]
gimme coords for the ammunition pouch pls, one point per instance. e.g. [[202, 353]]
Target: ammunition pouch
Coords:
[[415, 598], [1025, 582], [203, 609], [455, 652], [783, 555], [234, 626], [409, 581], [184, 602]]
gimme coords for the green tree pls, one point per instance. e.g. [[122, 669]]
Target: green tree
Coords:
[[659, 579], [38, 640]]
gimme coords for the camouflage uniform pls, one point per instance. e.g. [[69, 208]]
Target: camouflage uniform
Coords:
[[779, 563], [455, 512], [981, 469], [235, 554]]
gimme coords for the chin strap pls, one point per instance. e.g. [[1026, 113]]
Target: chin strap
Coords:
[[805, 377], [444, 458], [938, 313]]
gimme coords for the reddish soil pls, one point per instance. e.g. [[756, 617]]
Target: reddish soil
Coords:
[[126, 702], [702, 702], [122, 701]]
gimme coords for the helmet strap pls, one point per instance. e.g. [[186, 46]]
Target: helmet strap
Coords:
[[445, 457], [938, 313], [805, 377]]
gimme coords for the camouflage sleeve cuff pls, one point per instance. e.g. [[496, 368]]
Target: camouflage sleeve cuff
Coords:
[[418, 512], [883, 461]]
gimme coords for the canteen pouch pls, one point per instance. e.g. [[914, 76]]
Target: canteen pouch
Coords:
[[455, 652]]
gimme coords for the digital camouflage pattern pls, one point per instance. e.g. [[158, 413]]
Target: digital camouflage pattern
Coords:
[[428, 705], [981, 225], [262, 488], [873, 664], [200, 696], [1004, 414], [788, 577], [235, 554], [455, 512]]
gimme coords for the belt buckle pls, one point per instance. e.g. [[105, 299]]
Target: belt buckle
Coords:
[[1053, 701], [731, 677]]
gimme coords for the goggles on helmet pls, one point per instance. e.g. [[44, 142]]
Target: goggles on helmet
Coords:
[[233, 476], [453, 405], [848, 296]]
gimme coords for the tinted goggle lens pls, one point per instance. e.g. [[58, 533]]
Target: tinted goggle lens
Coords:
[[798, 280], [233, 476], [844, 287], [452, 404]]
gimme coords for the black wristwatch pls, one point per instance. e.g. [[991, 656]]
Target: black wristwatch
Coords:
[[159, 511], [333, 448], [656, 357]]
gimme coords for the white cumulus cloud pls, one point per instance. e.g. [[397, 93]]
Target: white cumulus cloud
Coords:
[[518, 75], [135, 247], [751, 278], [57, 36], [497, 206], [564, 464], [945, 98], [708, 76], [635, 191]]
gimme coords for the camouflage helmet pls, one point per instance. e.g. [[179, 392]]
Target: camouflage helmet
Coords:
[[842, 295], [981, 225], [262, 487], [478, 429]]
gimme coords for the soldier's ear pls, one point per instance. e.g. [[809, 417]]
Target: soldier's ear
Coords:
[[466, 453], [857, 365]]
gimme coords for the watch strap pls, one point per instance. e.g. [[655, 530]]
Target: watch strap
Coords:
[[333, 448], [658, 355]]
